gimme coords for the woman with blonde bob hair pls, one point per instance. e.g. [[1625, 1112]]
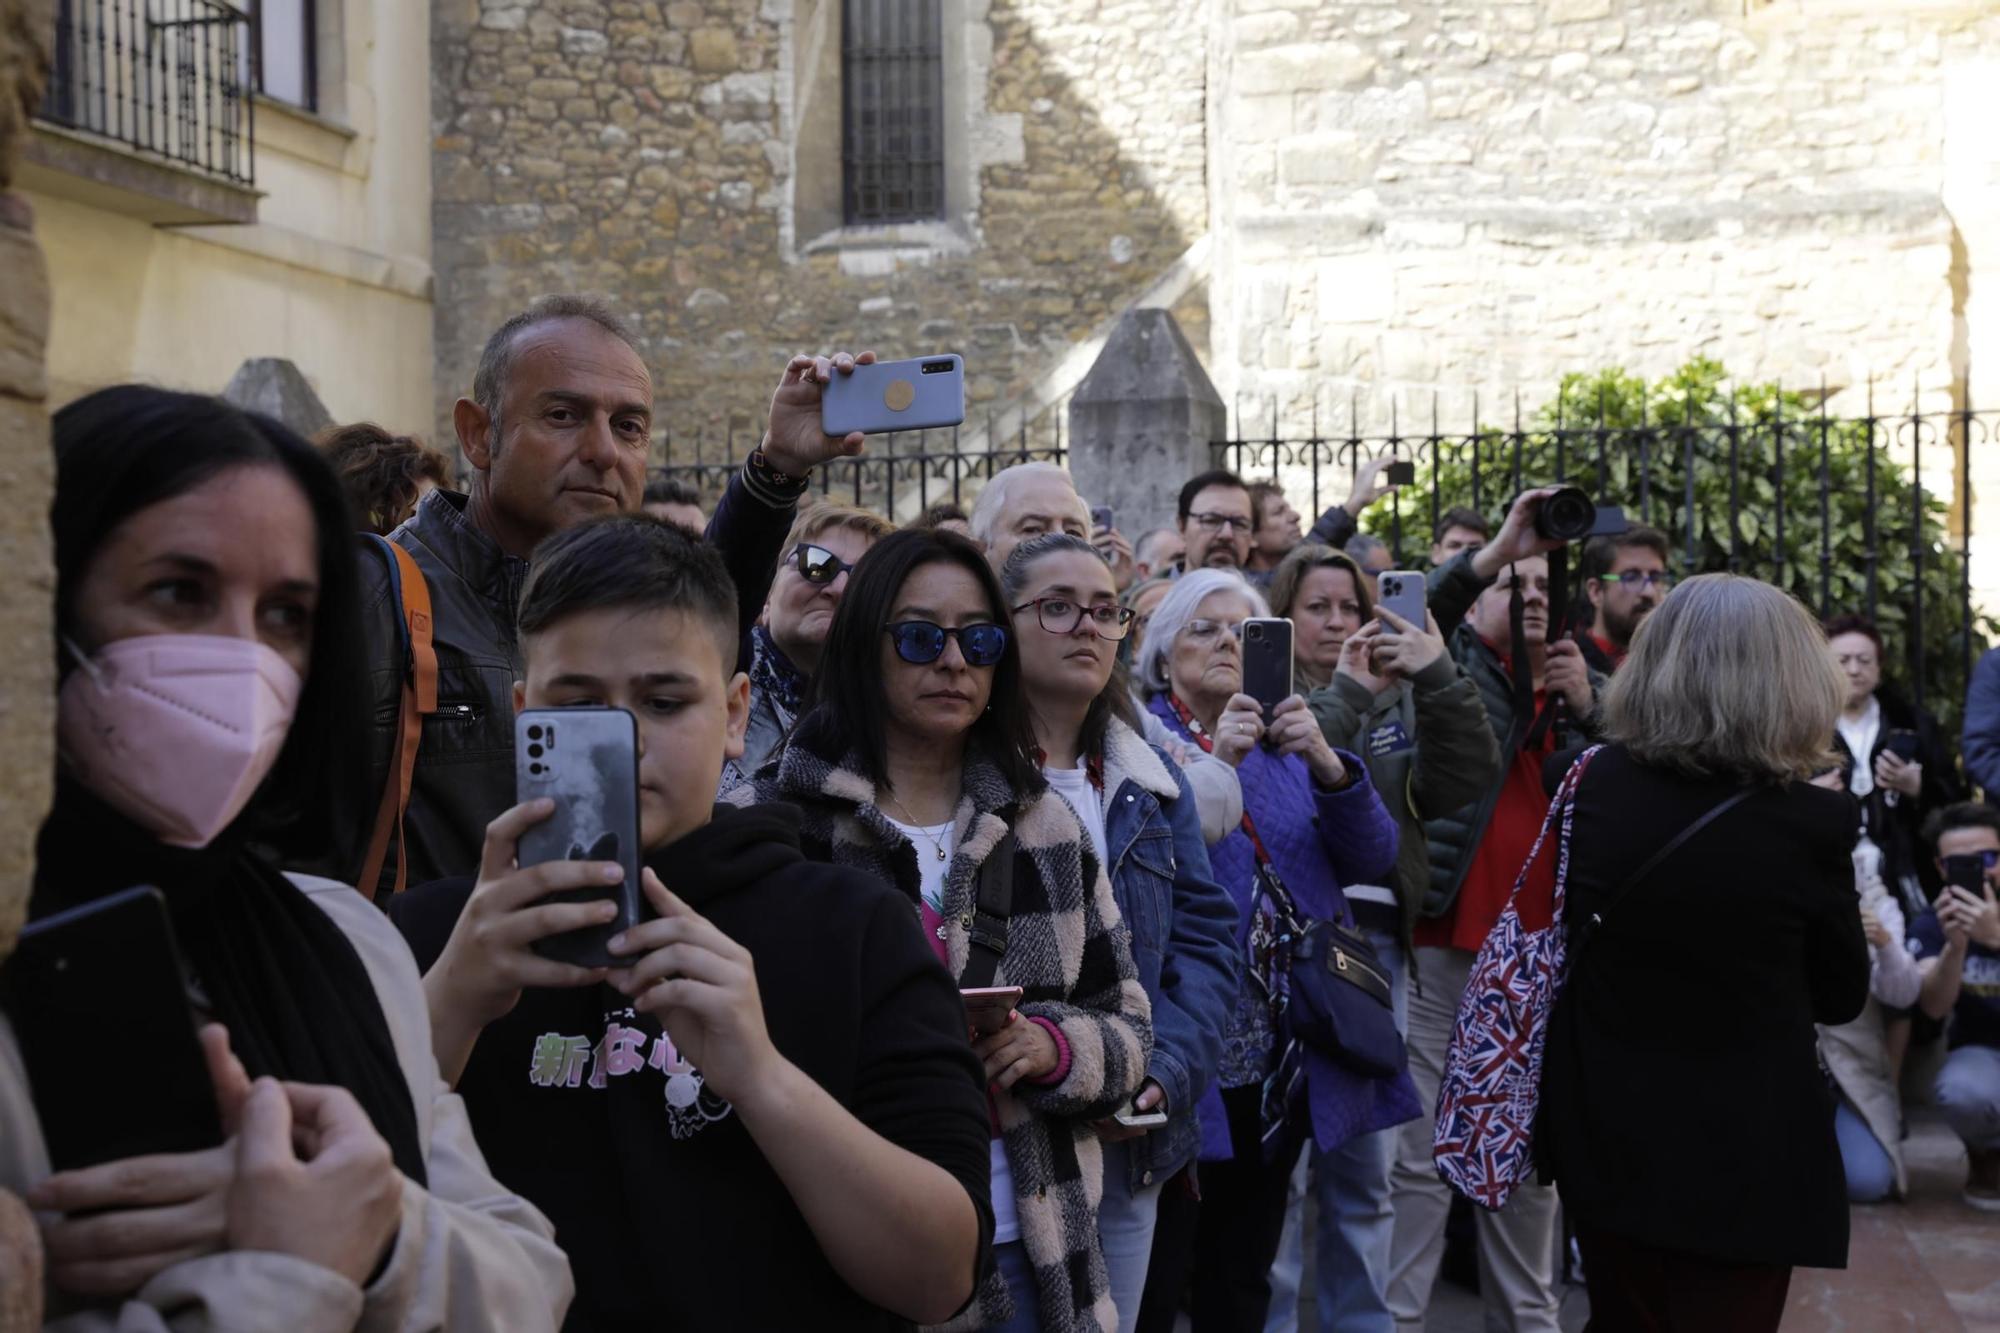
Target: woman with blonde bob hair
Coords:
[[1712, 922]]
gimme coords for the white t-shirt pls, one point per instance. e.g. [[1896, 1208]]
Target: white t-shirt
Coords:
[[928, 840], [1073, 785], [1859, 734]]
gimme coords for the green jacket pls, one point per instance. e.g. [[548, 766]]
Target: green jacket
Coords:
[[1429, 751], [1453, 837]]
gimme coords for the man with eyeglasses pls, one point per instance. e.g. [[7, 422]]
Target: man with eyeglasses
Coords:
[[1217, 518], [783, 649], [1624, 577]]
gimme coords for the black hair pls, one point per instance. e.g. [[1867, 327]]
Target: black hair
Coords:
[[1461, 517], [1213, 477], [849, 708], [670, 491], [941, 513], [629, 561], [496, 359], [1115, 699], [1963, 814], [126, 448], [1849, 623]]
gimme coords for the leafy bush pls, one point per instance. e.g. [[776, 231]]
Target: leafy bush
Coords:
[[1649, 433]]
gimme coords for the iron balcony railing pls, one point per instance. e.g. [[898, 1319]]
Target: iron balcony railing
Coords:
[[170, 78]]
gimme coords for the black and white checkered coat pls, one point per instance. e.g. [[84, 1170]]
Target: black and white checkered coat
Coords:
[[1069, 951]]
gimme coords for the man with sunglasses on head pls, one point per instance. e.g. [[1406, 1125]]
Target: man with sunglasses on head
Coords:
[[782, 650], [1624, 578]]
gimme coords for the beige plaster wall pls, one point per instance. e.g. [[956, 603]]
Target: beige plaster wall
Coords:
[[334, 274]]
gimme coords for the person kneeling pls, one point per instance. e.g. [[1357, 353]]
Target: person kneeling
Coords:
[[769, 1115]]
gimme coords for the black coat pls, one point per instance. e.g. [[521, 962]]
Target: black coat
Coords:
[[1897, 826], [1683, 1105]]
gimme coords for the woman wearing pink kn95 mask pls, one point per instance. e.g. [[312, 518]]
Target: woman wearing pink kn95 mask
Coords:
[[208, 641]]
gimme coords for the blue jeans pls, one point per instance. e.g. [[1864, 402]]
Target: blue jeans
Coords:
[[1356, 1224], [1125, 1227], [1968, 1091], [1871, 1174], [1012, 1261]]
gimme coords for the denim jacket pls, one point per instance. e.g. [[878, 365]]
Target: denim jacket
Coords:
[[1183, 927]]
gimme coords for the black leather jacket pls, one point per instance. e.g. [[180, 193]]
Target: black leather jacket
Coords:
[[465, 762]]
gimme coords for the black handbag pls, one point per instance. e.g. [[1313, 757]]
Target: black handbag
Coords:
[[1338, 999]]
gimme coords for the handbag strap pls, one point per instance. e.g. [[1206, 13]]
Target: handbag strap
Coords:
[[986, 941], [1674, 844]]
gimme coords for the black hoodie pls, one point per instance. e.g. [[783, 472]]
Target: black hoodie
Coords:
[[668, 1211]]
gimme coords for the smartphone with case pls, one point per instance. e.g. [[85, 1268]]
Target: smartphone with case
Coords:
[[1267, 661], [987, 1007], [99, 1003], [895, 395], [587, 761], [1403, 591], [1100, 519]]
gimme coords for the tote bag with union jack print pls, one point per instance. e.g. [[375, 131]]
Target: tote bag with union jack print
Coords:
[[1483, 1143]]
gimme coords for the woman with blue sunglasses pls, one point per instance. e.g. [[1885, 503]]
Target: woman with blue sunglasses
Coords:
[[916, 761]]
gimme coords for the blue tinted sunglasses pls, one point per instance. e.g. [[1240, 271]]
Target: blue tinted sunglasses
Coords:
[[920, 643]]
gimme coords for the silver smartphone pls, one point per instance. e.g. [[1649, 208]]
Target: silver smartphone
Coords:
[[1403, 591], [1267, 661], [587, 761], [895, 395]]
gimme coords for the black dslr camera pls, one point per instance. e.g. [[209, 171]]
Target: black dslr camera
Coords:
[[1570, 515]]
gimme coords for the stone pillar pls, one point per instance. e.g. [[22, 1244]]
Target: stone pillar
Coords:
[[27, 476], [1142, 422]]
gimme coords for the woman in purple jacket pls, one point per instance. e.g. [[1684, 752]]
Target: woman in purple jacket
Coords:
[[1311, 816]]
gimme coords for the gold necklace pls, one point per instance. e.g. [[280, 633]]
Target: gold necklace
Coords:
[[937, 845]]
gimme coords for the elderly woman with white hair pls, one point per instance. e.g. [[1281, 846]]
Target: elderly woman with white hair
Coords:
[[1312, 822]]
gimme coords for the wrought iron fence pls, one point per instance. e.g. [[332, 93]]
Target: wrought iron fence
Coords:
[[167, 77], [901, 475], [1850, 513]]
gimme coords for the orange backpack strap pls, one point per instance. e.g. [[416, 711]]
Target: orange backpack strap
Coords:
[[419, 702]]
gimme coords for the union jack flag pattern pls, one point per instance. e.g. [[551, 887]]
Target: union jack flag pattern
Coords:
[[1483, 1142]]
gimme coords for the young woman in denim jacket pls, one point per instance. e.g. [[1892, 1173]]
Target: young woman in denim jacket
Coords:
[[1134, 801]]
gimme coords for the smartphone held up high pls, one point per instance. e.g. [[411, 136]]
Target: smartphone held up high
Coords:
[[919, 394], [587, 761]]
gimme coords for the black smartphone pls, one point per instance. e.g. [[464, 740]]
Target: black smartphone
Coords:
[[1902, 742], [1401, 473], [587, 761], [99, 1002], [1966, 872], [1267, 661]]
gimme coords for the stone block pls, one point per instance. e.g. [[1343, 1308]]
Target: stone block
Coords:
[[1303, 68], [1335, 158], [278, 388], [1578, 11], [714, 50]]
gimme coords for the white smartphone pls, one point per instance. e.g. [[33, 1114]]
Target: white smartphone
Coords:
[[1133, 1118], [919, 394]]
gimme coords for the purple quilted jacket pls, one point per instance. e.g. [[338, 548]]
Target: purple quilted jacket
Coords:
[[1319, 841]]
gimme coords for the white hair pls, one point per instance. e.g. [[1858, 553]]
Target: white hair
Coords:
[[1171, 616], [995, 494]]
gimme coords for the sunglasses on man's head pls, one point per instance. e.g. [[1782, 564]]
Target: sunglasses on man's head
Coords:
[[817, 565], [919, 642]]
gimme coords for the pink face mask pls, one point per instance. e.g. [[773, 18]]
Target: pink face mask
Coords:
[[176, 731]]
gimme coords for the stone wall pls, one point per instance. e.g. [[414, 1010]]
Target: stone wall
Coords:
[[27, 476], [673, 158], [1418, 195]]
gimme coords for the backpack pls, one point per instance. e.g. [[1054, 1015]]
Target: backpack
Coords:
[[420, 675]]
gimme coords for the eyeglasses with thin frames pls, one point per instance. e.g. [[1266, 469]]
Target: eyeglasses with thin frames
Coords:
[[1202, 630], [1214, 522], [1061, 615], [1635, 579]]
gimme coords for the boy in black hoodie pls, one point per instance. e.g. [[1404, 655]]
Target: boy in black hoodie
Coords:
[[771, 1118]]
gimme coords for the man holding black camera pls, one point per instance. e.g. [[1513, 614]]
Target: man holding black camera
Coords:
[[1496, 610]]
